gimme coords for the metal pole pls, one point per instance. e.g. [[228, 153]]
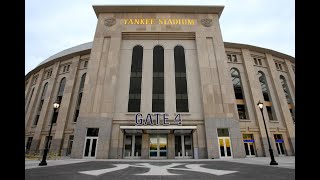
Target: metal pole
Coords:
[[273, 161], [44, 157]]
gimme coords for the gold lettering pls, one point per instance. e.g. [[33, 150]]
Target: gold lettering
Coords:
[[160, 21], [191, 21]]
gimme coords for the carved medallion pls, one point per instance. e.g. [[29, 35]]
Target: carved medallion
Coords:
[[206, 22], [110, 21]]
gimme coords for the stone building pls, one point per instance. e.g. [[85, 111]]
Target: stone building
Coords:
[[159, 82]]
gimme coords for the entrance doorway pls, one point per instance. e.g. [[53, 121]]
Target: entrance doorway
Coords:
[[90, 147], [132, 146], [279, 144], [158, 147], [183, 146], [91, 143], [224, 143], [249, 145], [225, 147]]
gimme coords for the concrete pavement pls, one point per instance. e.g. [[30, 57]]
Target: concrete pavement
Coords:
[[283, 162]]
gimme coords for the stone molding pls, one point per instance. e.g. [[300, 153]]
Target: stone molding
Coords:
[[207, 22], [110, 21]]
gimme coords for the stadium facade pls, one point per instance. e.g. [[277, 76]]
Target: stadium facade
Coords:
[[158, 82]]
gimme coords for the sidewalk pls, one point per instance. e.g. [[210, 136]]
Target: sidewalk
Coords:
[[283, 162], [29, 164]]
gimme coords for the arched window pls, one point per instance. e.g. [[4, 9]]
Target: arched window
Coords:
[[30, 99], [266, 97], [288, 96], [285, 89], [61, 88], [180, 80], [238, 92], [264, 86], [59, 99], [44, 91], [83, 78], [236, 83], [135, 80], [158, 80], [40, 103]]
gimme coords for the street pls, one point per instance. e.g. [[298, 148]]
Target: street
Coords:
[[159, 170]]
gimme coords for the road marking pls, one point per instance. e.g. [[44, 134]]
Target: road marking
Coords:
[[197, 168], [103, 171], [159, 170]]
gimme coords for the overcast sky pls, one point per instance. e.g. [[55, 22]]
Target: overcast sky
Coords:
[[52, 26]]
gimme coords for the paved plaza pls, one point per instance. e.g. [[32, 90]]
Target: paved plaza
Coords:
[[83, 169]]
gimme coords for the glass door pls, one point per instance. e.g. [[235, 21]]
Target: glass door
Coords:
[[224, 143], [158, 146], [162, 146], [153, 147], [91, 142], [249, 145], [183, 146], [225, 147], [279, 144], [90, 147], [132, 146], [280, 148]]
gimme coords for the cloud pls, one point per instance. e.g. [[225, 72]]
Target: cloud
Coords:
[[268, 24], [53, 26]]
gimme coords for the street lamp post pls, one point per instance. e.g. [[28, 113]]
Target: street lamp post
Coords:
[[43, 162], [273, 161]]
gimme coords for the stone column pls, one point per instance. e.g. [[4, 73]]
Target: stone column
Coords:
[[201, 138], [47, 110], [97, 106], [291, 81], [281, 98], [146, 81], [169, 83], [30, 107], [195, 144], [120, 145], [65, 106], [255, 96], [170, 146], [216, 86], [145, 146], [27, 90], [114, 149]]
